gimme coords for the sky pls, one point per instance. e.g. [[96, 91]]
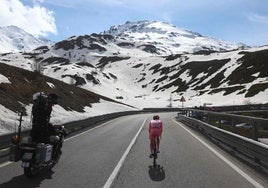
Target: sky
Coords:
[[244, 21]]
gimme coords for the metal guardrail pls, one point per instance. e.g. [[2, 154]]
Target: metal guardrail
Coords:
[[234, 119], [250, 148], [5, 139]]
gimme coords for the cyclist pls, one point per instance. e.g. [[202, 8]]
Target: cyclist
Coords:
[[155, 130]]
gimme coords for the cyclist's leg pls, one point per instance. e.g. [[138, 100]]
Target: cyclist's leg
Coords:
[[151, 143], [151, 148], [158, 143]]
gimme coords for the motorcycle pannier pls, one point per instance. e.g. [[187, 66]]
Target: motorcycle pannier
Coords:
[[43, 152]]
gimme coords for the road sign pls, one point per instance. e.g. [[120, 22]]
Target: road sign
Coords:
[[182, 99]]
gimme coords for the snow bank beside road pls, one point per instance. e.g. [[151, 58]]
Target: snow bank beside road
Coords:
[[10, 120]]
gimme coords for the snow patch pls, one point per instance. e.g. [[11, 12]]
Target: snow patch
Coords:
[[4, 79], [50, 85]]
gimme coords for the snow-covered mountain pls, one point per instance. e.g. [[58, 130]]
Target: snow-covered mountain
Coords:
[[153, 64], [139, 39], [168, 39], [14, 39]]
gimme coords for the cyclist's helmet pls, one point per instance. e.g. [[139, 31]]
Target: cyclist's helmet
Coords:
[[156, 117]]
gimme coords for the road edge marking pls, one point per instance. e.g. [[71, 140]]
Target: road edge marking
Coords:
[[110, 180], [232, 165], [89, 130], [5, 164]]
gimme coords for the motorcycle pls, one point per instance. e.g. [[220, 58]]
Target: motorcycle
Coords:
[[37, 156]]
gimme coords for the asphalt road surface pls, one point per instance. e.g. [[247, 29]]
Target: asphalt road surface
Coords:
[[116, 154]]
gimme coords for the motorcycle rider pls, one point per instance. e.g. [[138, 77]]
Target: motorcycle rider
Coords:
[[41, 111], [155, 130]]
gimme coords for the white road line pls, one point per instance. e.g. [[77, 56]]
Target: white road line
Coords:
[[123, 158], [87, 131], [5, 164], [4, 150], [232, 165]]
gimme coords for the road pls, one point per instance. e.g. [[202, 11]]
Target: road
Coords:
[[116, 154]]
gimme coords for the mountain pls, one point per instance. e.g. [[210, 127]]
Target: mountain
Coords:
[[14, 39], [153, 64], [168, 39], [143, 39]]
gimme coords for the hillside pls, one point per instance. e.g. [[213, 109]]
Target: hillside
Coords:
[[18, 85]]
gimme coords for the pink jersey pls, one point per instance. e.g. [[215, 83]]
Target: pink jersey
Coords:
[[155, 128]]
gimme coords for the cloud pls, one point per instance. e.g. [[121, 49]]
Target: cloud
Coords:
[[35, 20], [258, 18], [111, 3]]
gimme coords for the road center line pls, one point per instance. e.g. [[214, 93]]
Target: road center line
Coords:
[[123, 158], [232, 165]]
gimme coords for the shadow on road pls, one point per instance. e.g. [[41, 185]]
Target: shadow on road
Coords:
[[157, 173], [23, 182]]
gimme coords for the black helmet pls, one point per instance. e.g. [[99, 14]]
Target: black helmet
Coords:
[[156, 117]]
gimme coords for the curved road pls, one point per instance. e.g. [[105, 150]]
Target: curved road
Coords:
[[116, 154]]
